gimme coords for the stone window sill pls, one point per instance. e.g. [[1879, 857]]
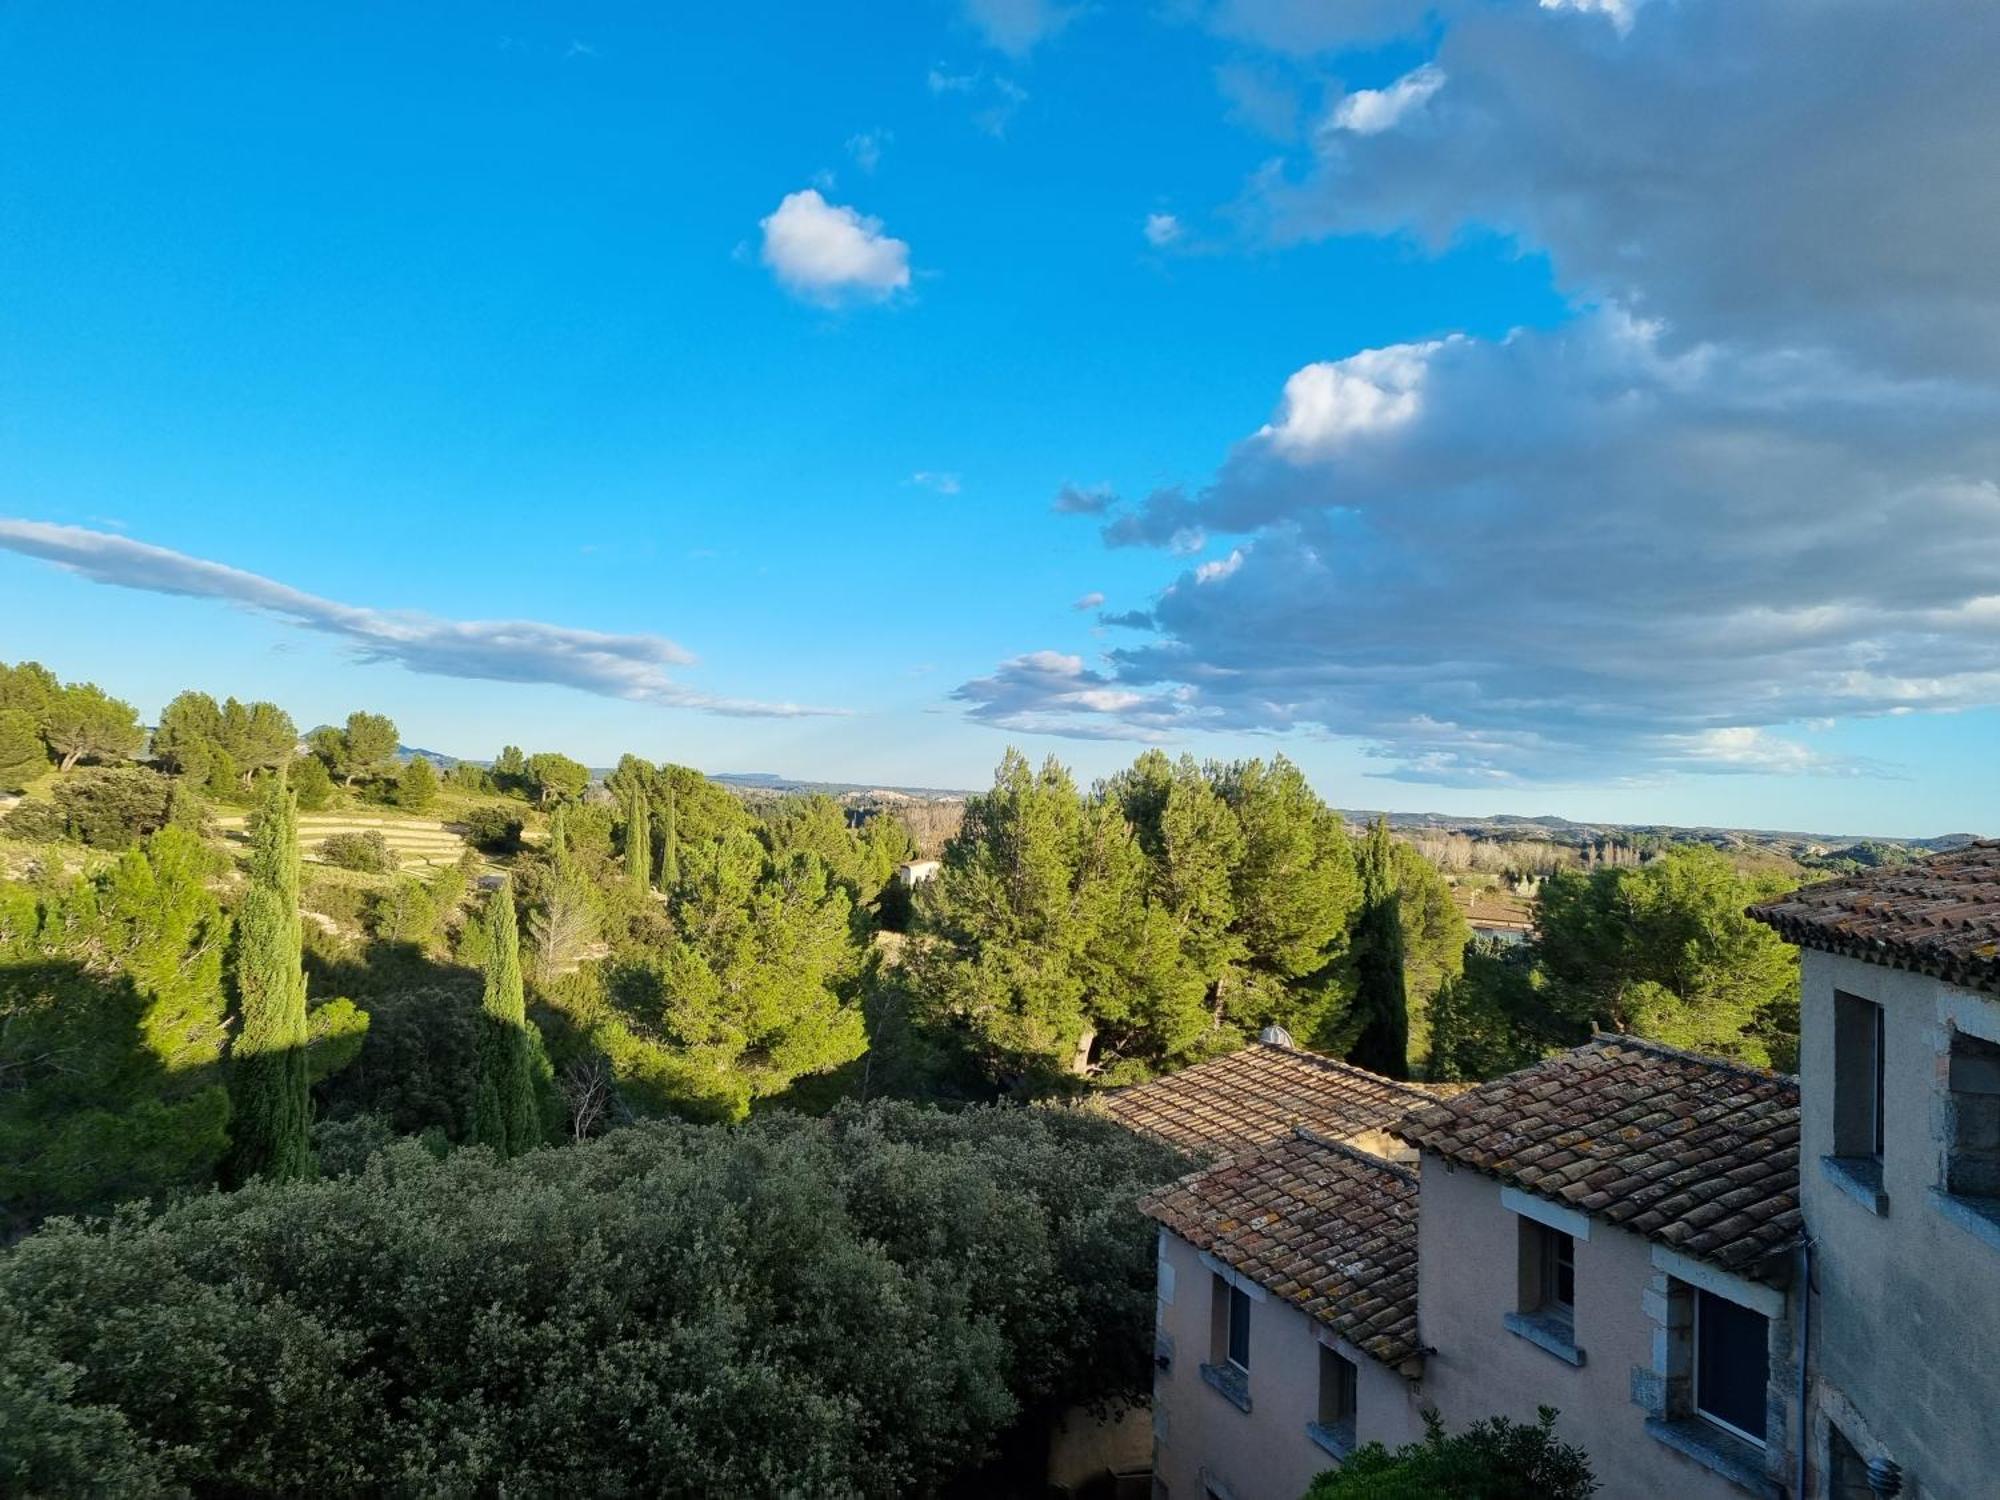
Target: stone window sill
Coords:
[[1557, 1337], [1978, 1217], [1741, 1463], [1337, 1441], [1231, 1383], [1860, 1177]]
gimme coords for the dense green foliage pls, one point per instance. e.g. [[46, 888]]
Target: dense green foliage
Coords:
[[1172, 912], [22, 755], [855, 1306], [1665, 951], [271, 1133], [112, 1025], [1661, 950], [1494, 1459]]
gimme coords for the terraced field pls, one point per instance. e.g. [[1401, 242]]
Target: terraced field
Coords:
[[414, 841]]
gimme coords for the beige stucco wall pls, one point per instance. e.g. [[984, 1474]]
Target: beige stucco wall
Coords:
[[1264, 1453], [1469, 1251], [1907, 1323]]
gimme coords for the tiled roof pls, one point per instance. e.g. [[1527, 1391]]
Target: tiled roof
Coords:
[[1328, 1228], [1259, 1094], [1700, 1155], [1940, 916]]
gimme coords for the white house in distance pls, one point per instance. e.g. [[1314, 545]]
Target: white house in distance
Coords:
[[914, 872], [1900, 1066]]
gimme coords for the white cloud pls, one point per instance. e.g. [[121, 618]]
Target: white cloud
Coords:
[[1048, 692], [1016, 27], [866, 148], [1090, 600], [1372, 111], [1582, 553], [1215, 572], [1327, 404], [828, 253], [614, 666], [1162, 230], [932, 479], [1752, 488]]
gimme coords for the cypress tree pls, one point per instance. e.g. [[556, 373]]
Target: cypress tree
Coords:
[[504, 1114], [1381, 998], [638, 845], [270, 1129], [670, 854]]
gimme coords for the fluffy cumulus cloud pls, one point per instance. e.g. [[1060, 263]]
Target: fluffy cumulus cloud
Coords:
[[1161, 230], [633, 667], [1753, 486], [830, 254]]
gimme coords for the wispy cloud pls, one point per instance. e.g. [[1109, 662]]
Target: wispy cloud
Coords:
[[632, 667], [1083, 500], [938, 481], [1015, 27], [1089, 601], [1162, 230], [866, 146]]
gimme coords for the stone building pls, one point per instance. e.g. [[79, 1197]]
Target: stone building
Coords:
[[1900, 1066]]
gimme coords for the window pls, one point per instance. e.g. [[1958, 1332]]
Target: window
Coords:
[[1547, 1290], [1228, 1367], [1858, 1057], [1337, 1378], [1972, 1160], [1558, 1276], [1732, 1355], [1239, 1329]]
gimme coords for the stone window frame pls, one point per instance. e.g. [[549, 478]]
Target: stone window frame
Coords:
[[1975, 1018], [1228, 1378], [1664, 1388]]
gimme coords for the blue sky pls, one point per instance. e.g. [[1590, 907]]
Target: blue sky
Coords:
[[1468, 416]]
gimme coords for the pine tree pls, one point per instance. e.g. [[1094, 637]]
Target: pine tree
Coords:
[[504, 1114], [670, 854], [270, 1130], [638, 846], [1381, 998]]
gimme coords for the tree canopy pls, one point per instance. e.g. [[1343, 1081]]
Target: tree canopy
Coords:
[[792, 1307]]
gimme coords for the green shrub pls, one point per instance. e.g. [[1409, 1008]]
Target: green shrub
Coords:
[[366, 851], [36, 821], [115, 808], [1491, 1460], [494, 830]]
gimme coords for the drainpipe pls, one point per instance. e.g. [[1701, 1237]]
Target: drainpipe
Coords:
[[1805, 1353]]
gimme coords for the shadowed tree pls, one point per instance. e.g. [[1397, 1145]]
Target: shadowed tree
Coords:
[[268, 1077], [504, 1111], [1381, 997]]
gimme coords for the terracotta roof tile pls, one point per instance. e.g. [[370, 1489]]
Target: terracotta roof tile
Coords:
[[1700, 1154], [1328, 1228], [1257, 1095], [1939, 916]]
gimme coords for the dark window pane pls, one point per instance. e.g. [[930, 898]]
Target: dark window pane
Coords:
[[1239, 1328], [1732, 1359]]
